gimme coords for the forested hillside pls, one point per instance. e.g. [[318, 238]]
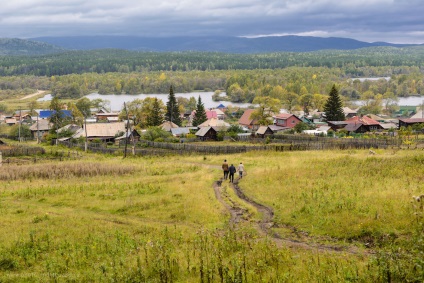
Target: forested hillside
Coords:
[[16, 47], [112, 60]]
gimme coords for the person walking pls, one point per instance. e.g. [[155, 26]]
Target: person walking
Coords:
[[232, 170], [225, 169], [240, 169]]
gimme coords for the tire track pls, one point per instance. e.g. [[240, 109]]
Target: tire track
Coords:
[[266, 222]]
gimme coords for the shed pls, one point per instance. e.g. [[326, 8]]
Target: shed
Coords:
[[207, 133]]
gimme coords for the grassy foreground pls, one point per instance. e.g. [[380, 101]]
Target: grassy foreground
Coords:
[[105, 219]]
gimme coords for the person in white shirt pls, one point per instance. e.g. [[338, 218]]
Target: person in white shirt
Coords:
[[240, 169]]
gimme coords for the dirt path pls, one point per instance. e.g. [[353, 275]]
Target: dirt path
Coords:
[[33, 94], [264, 225]]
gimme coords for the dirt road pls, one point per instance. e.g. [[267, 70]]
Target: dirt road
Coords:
[[33, 94]]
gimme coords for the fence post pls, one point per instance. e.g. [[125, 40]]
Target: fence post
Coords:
[[1, 158]]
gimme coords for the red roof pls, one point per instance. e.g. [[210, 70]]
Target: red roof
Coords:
[[283, 116], [245, 118], [364, 120], [211, 114]]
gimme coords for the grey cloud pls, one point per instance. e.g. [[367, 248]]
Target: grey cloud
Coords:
[[371, 20]]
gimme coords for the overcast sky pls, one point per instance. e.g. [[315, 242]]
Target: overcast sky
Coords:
[[396, 21]]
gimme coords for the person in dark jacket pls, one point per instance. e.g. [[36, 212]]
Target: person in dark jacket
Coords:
[[232, 170], [225, 169]]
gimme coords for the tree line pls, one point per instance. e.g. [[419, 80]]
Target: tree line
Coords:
[[353, 62]]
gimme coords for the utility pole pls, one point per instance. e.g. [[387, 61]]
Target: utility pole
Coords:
[[86, 138], [38, 133], [126, 131], [20, 122]]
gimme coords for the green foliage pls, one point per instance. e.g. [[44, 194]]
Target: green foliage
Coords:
[[172, 109], [3, 107], [333, 107], [23, 131], [154, 133], [235, 129], [155, 116], [200, 115], [299, 127]]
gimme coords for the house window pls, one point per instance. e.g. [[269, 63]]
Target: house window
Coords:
[[293, 121]]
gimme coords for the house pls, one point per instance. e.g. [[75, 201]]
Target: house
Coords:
[[368, 124], [215, 122], [349, 113], [107, 117], [286, 120], [10, 121], [131, 136], [103, 131], [210, 114], [409, 122], [167, 126], [246, 121], [336, 125], [40, 128], [207, 133], [264, 131], [219, 114]]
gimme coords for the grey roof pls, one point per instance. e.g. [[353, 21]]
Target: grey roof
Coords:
[[351, 127], [203, 131], [102, 130], [261, 130], [180, 131], [43, 125]]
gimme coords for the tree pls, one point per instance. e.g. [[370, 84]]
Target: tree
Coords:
[[20, 131], [172, 109], [155, 118], [57, 117], [84, 106], [32, 105], [267, 107], [99, 103], [333, 108], [306, 102], [300, 127], [200, 115]]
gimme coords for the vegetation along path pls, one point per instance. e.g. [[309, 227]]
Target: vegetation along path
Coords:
[[240, 214]]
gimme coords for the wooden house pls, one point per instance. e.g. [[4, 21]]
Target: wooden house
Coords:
[[264, 131], [207, 133], [40, 128], [409, 122]]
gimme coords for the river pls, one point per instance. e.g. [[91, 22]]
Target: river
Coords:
[[117, 101]]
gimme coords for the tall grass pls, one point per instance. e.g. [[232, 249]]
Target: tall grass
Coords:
[[157, 219]]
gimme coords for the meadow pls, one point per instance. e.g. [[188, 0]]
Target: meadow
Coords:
[[338, 216]]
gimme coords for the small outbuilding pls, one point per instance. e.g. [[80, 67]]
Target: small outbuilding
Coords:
[[207, 133]]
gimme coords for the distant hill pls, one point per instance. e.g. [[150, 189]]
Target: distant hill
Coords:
[[212, 44], [15, 46]]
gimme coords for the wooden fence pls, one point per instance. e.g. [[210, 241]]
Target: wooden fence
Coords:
[[22, 151], [279, 143]]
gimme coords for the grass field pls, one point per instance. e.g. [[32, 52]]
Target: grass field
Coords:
[[157, 219]]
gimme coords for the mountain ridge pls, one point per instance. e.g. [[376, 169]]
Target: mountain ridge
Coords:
[[289, 43], [242, 45]]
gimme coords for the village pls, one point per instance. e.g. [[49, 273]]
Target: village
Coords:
[[107, 127]]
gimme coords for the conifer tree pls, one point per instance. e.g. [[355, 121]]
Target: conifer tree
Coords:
[[172, 109], [200, 115], [156, 116], [333, 108]]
